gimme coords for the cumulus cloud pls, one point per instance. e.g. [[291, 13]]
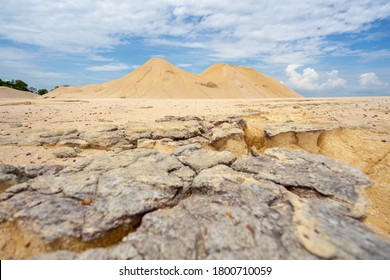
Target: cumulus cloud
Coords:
[[309, 79], [369, 79], [275, 31]]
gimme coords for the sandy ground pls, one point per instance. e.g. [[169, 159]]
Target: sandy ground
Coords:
[[364, 142], [6, 92]]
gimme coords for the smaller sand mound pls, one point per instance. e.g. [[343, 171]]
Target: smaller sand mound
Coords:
[[246, 82], [74, 92], [6, 92]]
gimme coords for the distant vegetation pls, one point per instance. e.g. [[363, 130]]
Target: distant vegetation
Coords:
[[20, 85], [60, 86]]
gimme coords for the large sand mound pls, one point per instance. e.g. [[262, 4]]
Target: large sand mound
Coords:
[[158, 79], [6, 92]]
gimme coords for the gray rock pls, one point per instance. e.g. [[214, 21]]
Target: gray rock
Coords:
[[8, 169], [325, 229], [198, 159], [226, 130], [118, 189], [58, 133], [66, 152], [177, 118], [275, 129], [105, 128], [281, 205], [79, 143], [176, 130], [11, 175], [303, 170], [7, 180], [146, 143], [104, 140], [15, 125], [233, 215], [35, 170], [181, 130], [235, 121], [254, 151]]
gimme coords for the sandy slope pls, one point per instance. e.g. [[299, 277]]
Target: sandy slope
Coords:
[[6, 92], [159, 79], [245, 82]]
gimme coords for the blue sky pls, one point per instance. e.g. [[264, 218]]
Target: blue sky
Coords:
[[334, 48]]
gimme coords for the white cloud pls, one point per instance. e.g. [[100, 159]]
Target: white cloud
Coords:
[[309, 79], [15, 54], [96, 57], [110, 67], [184, 65], [334, 81], [277, 31], [369, 79], [22, 62]]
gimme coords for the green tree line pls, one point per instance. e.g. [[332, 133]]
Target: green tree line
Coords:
[[20, 85]]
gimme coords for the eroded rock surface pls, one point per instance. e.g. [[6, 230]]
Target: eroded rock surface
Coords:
[[118, 188], [197, 204], [276, 129], [165, 134]]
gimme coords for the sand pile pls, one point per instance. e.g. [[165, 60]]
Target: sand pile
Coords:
[[246, 82], [159, 79], [6, 92]]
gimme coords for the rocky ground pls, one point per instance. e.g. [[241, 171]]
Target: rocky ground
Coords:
[[179, 179]]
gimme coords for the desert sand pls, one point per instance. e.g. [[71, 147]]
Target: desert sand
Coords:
[[53, 150], [159, 79]]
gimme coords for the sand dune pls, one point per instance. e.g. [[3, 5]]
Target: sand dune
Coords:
[[159, 79], [6, 92], [246, 82]]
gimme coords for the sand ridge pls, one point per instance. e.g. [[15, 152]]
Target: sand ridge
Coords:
[[6, 92], [159, 79]]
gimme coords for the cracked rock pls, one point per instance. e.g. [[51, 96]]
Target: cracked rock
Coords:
[[198, 159], [176, 130], [119, 188], [280, 205], [305, 170], [8, 176], [276, 129]]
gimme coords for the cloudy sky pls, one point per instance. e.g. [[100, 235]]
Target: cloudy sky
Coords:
[[318, 48]]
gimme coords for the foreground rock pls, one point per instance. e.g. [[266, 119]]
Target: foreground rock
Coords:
[[194, 204], [87, 200]]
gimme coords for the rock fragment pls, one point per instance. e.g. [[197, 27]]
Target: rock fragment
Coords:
[[66, 152]]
